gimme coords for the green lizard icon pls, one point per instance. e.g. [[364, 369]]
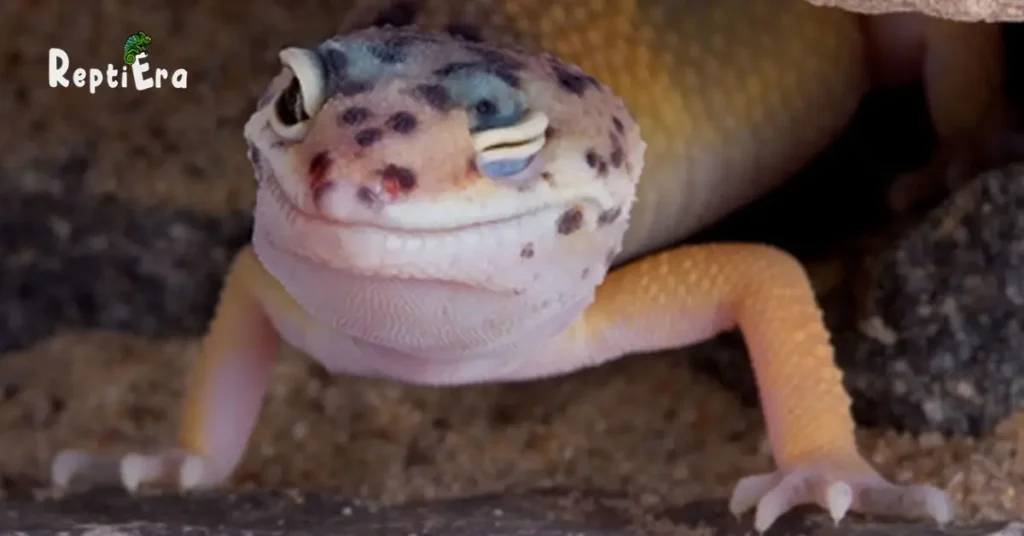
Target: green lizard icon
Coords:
[[136, 44]]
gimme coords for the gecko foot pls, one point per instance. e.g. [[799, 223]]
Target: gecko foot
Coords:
[[175, 468], [838, 491]]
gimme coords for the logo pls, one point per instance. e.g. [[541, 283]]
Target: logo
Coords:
[[135, 45], [136, 51]]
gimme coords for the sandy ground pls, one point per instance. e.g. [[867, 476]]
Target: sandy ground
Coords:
[[647, 424]]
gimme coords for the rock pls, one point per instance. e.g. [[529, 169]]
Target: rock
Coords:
[[551, 512], [938, 337], [74, 259], [931, 339], [974, 10]]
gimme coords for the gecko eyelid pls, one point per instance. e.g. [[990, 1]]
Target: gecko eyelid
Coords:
[[302, 97], [506, 151]]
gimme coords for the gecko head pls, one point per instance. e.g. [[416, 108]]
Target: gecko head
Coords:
[[401, 153]]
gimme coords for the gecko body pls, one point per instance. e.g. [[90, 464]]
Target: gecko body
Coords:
[[443, 211]]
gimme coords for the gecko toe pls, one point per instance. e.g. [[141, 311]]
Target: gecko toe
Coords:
[[161, 468], [193, 473], [910, 500], [792, 490], [749, 490], [838, 491], [73, 465]]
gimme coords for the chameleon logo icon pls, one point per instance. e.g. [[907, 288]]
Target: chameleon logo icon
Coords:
[[137, 43]]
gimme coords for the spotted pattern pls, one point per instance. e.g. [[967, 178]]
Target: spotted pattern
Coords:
[[570, 221], [368, 136], [527, 251], [576, 83], [354, 115], [483, 81], [436, 96], [392, 51], [402, 122], [607, 217], [366, 196]]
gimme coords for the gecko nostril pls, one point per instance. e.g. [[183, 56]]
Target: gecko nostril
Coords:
[[318, 181]]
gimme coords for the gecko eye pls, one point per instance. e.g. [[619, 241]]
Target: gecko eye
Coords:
[[302, 97], [507, 152]]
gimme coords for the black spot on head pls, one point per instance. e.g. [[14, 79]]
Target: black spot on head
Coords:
[[485, 107], [570, 221], [609, 216], [391, 51], [349, 88], [617, 157], [496, 58], [454, 67], [354, 115], [366, 196], [592, 158], [466, 31], [575, 83], [507, 75], [402, 122], [404, 176], [435, 95], [617, 123], [335, 62], [368, 136], [397, 14], [527, 251]]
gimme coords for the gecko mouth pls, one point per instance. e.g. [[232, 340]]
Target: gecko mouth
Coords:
[[510, 221], [372, 247]]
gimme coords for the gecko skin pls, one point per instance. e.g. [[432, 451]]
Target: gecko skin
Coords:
[[439, 211]]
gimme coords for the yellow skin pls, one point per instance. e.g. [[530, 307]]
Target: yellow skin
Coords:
[[414, 233]]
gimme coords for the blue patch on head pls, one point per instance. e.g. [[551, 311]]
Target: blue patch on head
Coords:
[[490, 102], [362, 64], [505, 168]]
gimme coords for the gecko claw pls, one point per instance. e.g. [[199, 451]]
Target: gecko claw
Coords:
[[774, 494], [838, 498]]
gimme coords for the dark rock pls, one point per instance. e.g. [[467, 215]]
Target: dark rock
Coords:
[[932, 338], [552, 512], [71, 259]]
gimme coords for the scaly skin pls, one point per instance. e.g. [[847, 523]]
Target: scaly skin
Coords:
[[441, 224]]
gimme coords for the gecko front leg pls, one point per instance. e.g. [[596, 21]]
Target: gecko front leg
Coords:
[[689, 294], [222, 400]]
